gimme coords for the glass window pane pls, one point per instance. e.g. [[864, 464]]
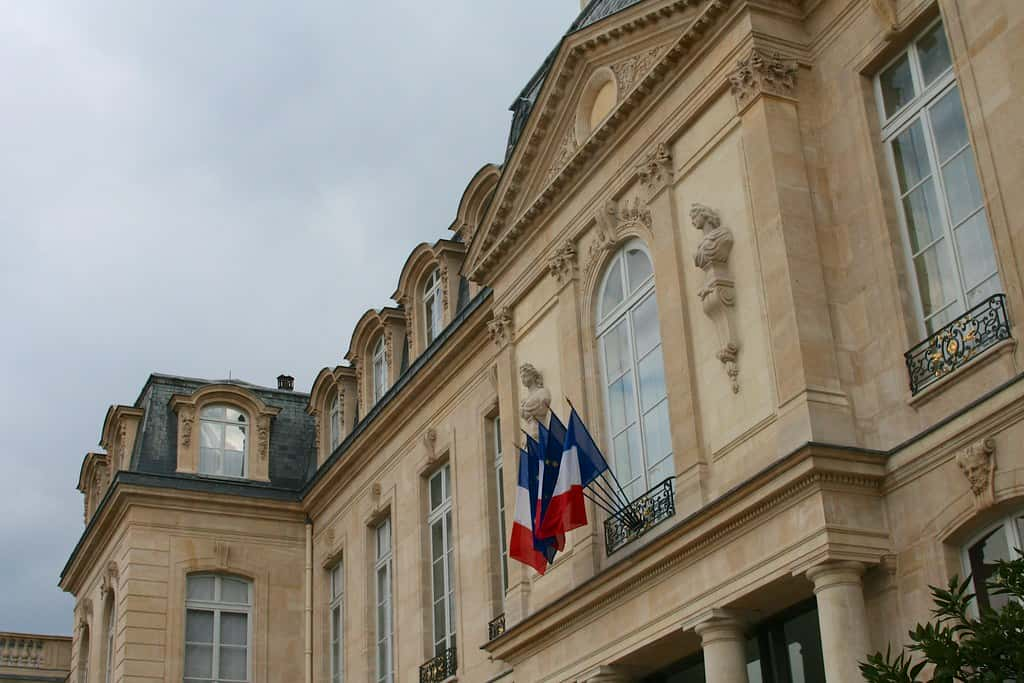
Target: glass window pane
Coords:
[[211, 435], [645, 326], [656, 431], [335, 622], [199, 626], [232, 663], [233, 415], [948, 124], [933, 51], [216, 412], [616, 350], [897, 86], [803, 648], [652, 380], [961, 184], [235, 591], [233, 628], [977, 257], [924, 221], [638, 266], [209, 461], [437, 576], [436, 497], [383, 539], [234, 464], [382, 585], [936, 278], [984, 290], [629, 461], [982, 557], [911, 155], [439, 620], [612, 294], [200, 587], [753, 661], [446, 474], [199, 661], [436, 541], [234, 438], [621, 402]]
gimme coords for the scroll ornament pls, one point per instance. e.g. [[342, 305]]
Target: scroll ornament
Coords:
[[718, 293], [762, 72], [612, 221], [977, 462], [500, 327]]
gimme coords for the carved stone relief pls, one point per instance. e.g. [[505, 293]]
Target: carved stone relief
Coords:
[[655, 171], [566, 148], [500, 327], [978, 464], [886, 11], [222, 551], [188, 417], [562, 264], [534, 408], [629, 71], [762, 72], [389, 348], [263, 437], [444, 285], [317, 426], [612, 222], [718, 293]]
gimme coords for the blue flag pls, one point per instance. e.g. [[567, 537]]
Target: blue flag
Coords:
[[592, 462]]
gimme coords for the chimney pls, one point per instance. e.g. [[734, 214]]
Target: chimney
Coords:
[[285, 382]]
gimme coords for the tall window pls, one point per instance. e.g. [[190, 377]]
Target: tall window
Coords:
[[494, 429], [218, 612], [336, 421], [946, 230], [382, 570], [634, 376], [83, 656], [110, 622], [380, 369], [222, 446], [337, 624], [432, 306], [442, 581], [1002, 542]]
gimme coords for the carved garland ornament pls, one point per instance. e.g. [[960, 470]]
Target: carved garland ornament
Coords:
[[718, 293], [628, 71], [188, 417], [655, 171], [562, 264], [977, 462], [611, 222], [762, 72], [444, 285], [500, 327]]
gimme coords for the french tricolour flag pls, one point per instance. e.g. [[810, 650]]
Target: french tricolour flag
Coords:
[[524, 545], [562, 507]]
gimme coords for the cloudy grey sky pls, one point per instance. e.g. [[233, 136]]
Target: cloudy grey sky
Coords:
[[212, 187]]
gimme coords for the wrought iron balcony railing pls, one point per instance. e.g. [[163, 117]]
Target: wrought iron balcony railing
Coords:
[[640, 516], [958, 343], [440, 668], [496, 627]]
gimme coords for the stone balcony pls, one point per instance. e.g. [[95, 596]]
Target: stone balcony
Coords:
[[44, 657]]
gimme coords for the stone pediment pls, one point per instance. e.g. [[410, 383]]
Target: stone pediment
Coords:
[[634, 49]]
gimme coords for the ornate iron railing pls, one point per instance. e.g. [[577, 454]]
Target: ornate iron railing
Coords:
[[440, 668], [640, 516], [958, 343], [495, 627]]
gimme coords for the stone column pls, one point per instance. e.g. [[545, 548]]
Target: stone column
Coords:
[[842, 618], [724, 642]]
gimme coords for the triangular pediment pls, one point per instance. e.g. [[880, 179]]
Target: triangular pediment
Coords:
[[630, 48]]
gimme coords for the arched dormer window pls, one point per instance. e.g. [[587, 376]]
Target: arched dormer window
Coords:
[[335, 418], [432, 305], [380, 369], [224, 432], [629, 340]]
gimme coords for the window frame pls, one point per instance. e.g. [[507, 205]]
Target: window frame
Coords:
[[1013, 529], [442, 515], [379, 370], [433, 306], [605, 322], [891, 127], [337, 636], [109, 637], [335, 421], [218, 606], [498, 465], [384, 563], [223, 424]]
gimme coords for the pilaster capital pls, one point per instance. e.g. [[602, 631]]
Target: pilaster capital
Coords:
[[835, 574], [762, 72]]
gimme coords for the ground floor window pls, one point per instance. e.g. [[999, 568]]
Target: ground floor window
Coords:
[[1004, 541], [786, 649]]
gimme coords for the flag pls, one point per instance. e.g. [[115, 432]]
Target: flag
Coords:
[[562, 507], [536, 449], [577, 439], [522, 545]]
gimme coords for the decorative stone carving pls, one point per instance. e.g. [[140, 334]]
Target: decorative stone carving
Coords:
[[762, 72], [317, 426], [263, 437], [407, 311], [566, 148], [430, 441], [655, 171], [562, 264], [83, 611], [500, 327], [978, 464], [122, 447], [188, 417], [886, 11], [718, 293], [222, 551], [389, 348], [613, 221], [376, 490], [629, 71], [534, 408], [444, 285], [109, 579]]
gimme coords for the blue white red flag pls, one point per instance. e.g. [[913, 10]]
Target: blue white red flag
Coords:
[[548, 544], [522, 545], [580, 445], [562, 507]]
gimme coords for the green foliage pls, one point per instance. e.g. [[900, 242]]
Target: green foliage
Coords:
[[986, 649]]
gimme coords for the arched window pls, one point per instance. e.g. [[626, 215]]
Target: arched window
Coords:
[[110, 624], [1000, 542], [336, 421], [432, 305], [629, 338], [218, 612], [83, 655], [380, 370], [222, 444]]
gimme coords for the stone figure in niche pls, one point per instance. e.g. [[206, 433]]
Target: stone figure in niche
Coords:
[[718, 293], [534, 408], [977, 463]]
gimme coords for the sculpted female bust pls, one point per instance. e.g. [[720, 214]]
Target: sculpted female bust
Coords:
[[536, 405]]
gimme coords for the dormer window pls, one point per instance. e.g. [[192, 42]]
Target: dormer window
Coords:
[[380, 370], [335, 421], [432, 305], [224, 431]]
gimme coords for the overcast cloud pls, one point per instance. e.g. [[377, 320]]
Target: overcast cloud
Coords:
[[205, 188]]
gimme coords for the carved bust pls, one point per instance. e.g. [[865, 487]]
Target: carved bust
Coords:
[[717, 242], [537, 404], [978, 466]]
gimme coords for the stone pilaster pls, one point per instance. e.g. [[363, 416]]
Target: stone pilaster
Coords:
[[842, 618]]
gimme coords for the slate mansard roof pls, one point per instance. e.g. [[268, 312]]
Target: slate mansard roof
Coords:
[[291, 459]]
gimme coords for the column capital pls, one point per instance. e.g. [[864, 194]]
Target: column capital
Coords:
[[604, 674], [716, 625], [832, 574]]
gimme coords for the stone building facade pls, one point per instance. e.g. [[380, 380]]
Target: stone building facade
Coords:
[[768, 248]]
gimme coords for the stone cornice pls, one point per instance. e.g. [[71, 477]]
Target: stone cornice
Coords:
[[812, 468], [486, 255]]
